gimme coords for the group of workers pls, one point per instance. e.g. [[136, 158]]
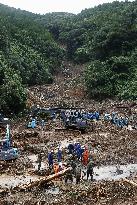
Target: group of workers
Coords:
[[117, 120], [33, 123], [79, 114], [77, 157]]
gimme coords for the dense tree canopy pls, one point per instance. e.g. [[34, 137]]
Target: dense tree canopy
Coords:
[[28, 56], [104, 37]]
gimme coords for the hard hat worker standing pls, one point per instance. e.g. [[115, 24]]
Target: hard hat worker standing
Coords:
[[71, 148], [56, 168], [50, 158], [85, 157], [33, 123], [78, 173], [79, 152], [90, 166], [39, 161], [69, 174], [59, 155], [42, 124]]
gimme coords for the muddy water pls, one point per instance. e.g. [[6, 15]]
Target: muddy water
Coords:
[[53, 190], [113, 172], [7, 181], [102, 173]]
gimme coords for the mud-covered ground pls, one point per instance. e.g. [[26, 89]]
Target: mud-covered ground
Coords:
[[109, 145], [114, 151]]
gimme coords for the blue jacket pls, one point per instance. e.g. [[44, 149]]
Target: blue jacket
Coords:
[[50, 158], [33, 123], [59, 155]]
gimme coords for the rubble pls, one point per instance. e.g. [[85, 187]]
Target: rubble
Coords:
[[114, 150]]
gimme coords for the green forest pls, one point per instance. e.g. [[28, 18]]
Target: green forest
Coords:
[[103, 39]]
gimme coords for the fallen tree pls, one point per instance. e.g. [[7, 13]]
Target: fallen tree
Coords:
[[131, 182], [42, 180]]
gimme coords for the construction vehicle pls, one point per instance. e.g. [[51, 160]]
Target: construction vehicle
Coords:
[[74, 121], [48, 113], [3, 121], [7, 152]]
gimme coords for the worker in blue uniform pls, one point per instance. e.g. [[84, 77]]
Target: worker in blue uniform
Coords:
[[33, 123], [125, 121], [42, 123], [78, 151], [90, 116], [96, 115], [50, 159], [71, 148], [59, 155]]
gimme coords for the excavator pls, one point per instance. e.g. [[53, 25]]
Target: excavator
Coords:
[[73, 121], [7, 152], [3, 121]]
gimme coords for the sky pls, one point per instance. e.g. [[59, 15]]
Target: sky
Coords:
[[46, 6]]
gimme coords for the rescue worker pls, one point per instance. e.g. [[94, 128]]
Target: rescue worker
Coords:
[[90, 169], [53, 116], [85, 157], [114, 115], [73, 165], [78, 151], [107, 117], [33, 123], [29, 125], [125, 121], [50, 159], [75, 147], [56, 168], [121, 122], [42, 124], [69, 175], [90, 116], [71, 148], [96, 115], [71, 162], [39, 161], [78, 173], [59, 155]]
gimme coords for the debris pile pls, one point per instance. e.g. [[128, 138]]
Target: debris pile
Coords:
[[113, 149]]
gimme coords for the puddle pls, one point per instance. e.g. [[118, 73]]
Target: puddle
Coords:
[[112, 173], [53, 191], [13, 181]]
